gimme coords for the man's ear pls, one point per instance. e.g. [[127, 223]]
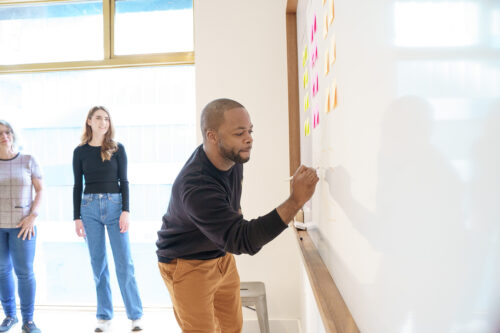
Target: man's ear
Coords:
[[212, 136]]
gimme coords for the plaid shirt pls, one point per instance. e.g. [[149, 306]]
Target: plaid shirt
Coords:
[[16, 188]]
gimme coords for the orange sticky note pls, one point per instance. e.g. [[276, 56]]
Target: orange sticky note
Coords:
[[306, 78], [307, 128], [324, 1], [333, 51], [306, 102], [327, 101], [325, 26], [334, 94], [331, 12], [327, 63]]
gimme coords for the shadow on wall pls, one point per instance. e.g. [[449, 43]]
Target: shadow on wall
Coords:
[[417, 227]]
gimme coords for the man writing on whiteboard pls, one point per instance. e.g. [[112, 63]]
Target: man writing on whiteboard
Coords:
[[204, 226]]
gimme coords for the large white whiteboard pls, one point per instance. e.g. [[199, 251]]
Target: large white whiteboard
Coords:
[[407, 213]]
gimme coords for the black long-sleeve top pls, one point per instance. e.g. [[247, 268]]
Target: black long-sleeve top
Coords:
[[100, 177], [203, 219]]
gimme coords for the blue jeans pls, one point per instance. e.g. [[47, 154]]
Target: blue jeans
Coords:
[[17, 253], [100, 211]]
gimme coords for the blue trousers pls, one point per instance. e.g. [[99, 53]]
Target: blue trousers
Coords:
[[18, 254], [100, 212]]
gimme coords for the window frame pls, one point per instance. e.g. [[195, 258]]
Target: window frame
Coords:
[[110, 60]]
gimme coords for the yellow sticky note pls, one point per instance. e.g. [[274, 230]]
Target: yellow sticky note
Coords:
[[333, 51], [307, 128], [306, 78], [327, 101], [327, 63], [304, 57], [325, 26], [306, 102], [331, 12]]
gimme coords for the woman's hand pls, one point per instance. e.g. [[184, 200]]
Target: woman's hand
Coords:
[[80, 231], [27, 226], [124, 216]]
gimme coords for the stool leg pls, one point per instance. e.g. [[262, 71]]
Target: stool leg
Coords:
[[261, 307]]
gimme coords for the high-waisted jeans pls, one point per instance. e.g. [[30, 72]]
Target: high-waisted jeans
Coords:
[[18, 254], [99, 212]]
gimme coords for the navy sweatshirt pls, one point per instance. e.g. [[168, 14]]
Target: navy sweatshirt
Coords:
[[100, 177], [202, 220]]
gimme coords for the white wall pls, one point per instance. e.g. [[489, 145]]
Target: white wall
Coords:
[[240, 53]]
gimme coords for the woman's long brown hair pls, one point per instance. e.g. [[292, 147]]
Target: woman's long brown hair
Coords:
[[109, 146]]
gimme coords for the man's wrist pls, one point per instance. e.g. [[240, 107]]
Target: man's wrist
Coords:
[[34, 214]]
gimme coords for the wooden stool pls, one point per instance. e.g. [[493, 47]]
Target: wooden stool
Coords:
[[254, 293]]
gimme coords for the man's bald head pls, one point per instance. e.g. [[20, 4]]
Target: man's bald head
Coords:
[[212, 115]]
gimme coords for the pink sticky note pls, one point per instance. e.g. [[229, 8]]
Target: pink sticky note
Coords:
[[314, 56], [315, 24], [316, 117], [315, 86]]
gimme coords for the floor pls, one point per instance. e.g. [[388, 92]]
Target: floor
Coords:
[[82, 320]]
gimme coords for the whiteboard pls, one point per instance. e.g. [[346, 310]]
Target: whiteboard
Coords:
[[406, 214]]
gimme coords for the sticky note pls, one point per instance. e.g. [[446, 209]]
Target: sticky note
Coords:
[[327, 101], [331, 12], [315, 86], [306, 78], [334, 98], [306, 102], [307, 129], [314, 56], [325, 26], [315, 24], [327, 63], [333, 51], [315, 118], [304, 57]]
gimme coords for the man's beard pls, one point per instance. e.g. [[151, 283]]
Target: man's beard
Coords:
[[231, 155]]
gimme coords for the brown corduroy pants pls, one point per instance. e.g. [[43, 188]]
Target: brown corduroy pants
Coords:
[[205, 294]]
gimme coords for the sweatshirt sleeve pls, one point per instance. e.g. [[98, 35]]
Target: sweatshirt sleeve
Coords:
[[210, 211], [122, 176], [78, 184]]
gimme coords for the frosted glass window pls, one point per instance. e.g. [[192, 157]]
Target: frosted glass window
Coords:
[[41, 33], [153, 111], [153, 26]]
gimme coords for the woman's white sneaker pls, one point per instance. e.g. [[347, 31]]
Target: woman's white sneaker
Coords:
[[102, 325], [136, 325]]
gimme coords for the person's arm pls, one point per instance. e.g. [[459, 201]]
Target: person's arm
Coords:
[[77, 193], [211, 212], [124, 187], [27, 224]]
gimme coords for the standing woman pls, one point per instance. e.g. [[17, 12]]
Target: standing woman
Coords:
[[19, 174], [105, 205]]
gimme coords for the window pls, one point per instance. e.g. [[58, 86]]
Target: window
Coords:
[[152, 103]]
